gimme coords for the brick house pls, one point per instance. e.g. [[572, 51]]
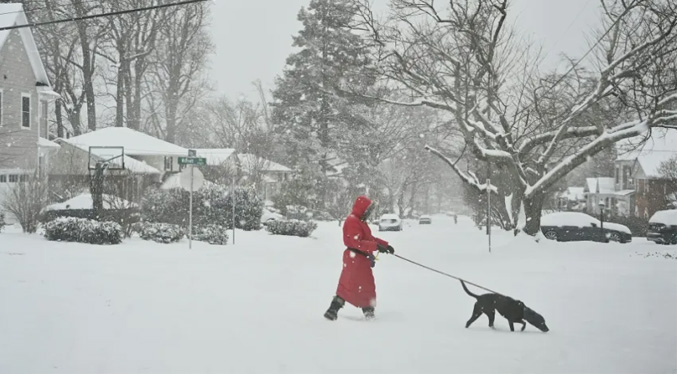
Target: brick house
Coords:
[[637, 170], [25, 96]]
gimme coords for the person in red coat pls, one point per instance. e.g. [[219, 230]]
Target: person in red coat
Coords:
[[356, 284]]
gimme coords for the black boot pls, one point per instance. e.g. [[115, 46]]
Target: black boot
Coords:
[[368, 312], [336, 304]]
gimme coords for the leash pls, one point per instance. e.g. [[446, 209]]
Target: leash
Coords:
[[445, 274]]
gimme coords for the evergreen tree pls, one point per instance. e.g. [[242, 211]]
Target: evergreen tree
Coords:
[[330, 55]]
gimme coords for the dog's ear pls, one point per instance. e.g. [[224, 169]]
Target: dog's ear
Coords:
[[520, 303]]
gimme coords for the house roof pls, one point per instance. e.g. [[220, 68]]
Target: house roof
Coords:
[[45, 143], [250, 162], [135, 143], [602, 185], [215, 156], [12, 14], [660, 147]]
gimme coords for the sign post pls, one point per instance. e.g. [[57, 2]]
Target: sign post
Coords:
[[191, 179]]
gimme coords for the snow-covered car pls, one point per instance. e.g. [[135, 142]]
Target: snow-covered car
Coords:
[[425, 220], [389, 222], [663, 227], [269, 216], [575, 226]]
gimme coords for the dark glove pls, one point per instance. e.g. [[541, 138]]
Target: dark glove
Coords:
[[372, 260], [386, 249]]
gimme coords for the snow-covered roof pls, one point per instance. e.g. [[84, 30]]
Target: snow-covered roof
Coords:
[[660, 147], [215, 156], [85, 201], [45, 143], [625, 192], [602, 185], [136, 166], [250, 162], [134, 142], [12, 14]]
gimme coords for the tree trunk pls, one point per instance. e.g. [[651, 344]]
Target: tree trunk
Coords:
[[532, 210], [119, 98], [87, 65]]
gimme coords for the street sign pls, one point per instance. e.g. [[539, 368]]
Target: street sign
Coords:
[[200, 161], [191, 174]]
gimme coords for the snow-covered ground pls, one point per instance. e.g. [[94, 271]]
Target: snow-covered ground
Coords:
[[256, 307]]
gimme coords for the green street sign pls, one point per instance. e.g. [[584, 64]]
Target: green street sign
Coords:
[[200, 161]]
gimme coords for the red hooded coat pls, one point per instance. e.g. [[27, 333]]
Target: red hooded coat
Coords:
[[356, 284]]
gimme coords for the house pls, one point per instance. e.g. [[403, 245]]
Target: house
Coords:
[[572, 199], [637, 174], [147, 160], [600, 190], [267, 176], [25, 97]]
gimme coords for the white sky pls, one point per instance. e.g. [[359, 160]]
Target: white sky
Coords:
[[253, 37]]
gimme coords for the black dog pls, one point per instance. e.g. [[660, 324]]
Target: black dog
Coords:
[[513, 310]]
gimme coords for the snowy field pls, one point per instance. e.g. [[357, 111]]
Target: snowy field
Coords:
[[257, 307]]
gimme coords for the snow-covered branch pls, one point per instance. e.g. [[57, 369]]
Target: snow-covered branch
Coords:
[[471, 181]]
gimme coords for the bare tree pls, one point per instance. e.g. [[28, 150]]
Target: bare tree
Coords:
[[668, 169], [463, 60], [181, 54]]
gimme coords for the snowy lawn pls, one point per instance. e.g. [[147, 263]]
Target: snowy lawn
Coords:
[[257, 307]]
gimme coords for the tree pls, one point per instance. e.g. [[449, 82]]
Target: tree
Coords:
[[180, 57], [668, 169], [330, 54], [464, 61]]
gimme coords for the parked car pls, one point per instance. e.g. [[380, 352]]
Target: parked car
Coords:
[[575, 226], [663, 227], [390, 222], [269, 216], [425, 220]]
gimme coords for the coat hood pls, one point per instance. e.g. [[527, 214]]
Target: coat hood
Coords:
[[361, 204]]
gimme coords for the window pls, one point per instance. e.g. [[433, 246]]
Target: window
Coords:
[[617, 175], [23, 178], [13, 178], [169, 163], [26, 111], [3, 178]]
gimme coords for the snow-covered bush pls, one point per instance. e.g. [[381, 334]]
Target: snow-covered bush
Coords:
[[291, 227], [2, 221], [212, 234], [126, 218], [211, 205], [159, 232], [82, 230]]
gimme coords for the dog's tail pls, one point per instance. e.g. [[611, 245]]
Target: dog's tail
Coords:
[[468, 291]]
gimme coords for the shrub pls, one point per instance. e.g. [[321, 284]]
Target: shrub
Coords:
[[126, 218], [25, 200], [82, 230], [2, 221], [159, 232], [291, 227], [211, 205], [212, 234]]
